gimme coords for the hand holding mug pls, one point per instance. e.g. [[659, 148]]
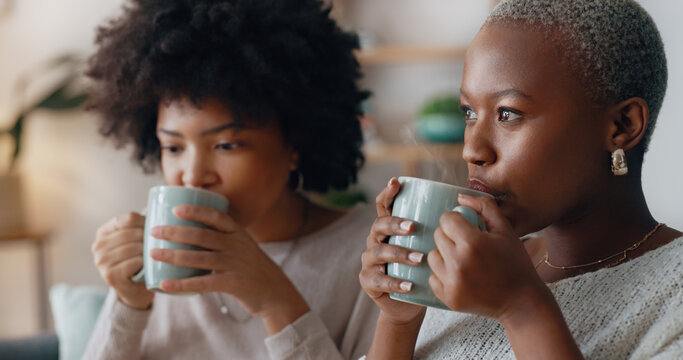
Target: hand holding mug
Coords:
[[373, 278], [424, 202], [484, 273], [117, 252], [234, 263], [161, 202]]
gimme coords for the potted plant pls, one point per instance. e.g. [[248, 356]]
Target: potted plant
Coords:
[[63, 94], [441, 120]]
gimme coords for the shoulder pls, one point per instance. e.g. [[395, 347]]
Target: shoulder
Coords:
[[361, 215], [629, 308], [660, 267], [644, 290], [358, 219], [346, 233], [646, 287]]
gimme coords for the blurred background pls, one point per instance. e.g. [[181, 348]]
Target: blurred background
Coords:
[[67, 180]]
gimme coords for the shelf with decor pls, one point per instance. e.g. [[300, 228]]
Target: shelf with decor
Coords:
[[378, 50], [405, 54], [441, 127]]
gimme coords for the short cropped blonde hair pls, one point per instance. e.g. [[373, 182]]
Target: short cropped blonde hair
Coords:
[[613, 45]]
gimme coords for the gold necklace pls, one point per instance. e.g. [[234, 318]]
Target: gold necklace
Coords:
[[622, 258]]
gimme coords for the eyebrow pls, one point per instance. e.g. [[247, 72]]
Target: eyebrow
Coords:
[[234, 126], [503, 93]]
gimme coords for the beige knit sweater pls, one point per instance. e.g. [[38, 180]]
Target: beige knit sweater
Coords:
[[631, 311], [324, 267]]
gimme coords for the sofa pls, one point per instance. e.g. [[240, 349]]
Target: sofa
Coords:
[[75, 310]]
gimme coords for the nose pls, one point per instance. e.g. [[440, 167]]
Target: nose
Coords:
[[478, 149], [198, 170]]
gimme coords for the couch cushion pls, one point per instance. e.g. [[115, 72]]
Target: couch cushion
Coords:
[[40, 347], [75, 310]]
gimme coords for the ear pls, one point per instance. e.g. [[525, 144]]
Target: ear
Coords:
[[628, 124]]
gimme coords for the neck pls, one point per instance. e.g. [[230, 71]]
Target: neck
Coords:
[[282, 222], [606, 225]]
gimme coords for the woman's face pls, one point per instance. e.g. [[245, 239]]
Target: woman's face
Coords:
[[202, 147], [533, 139]]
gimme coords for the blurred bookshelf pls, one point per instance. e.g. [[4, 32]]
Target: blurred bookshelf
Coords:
[[377, 54], [406, 54], [38, 241]]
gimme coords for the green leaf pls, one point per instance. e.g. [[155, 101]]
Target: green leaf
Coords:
[[64, 59], [447, 105], [344, 199], [15, 132], [61, 100], [62, 97]]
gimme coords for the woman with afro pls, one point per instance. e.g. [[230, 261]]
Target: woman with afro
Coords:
[[255, 100]]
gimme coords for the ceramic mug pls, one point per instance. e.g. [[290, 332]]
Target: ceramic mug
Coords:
[[160, 204], [423, 202]]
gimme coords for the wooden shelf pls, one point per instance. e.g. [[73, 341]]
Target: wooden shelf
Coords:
[[406, 54], [409, 155], [38, 240], [415, 152], [23, 236]]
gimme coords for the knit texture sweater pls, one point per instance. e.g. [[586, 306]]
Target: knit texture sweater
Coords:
[[324, 267], [630, 311]]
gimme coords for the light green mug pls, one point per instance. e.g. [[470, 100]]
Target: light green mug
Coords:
[[160, 204], [423, 202]]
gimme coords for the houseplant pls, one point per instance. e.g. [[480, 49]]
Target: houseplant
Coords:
[[60, 77], [441, 120]]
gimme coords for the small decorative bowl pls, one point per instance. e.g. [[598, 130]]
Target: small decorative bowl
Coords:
[[440, 128]]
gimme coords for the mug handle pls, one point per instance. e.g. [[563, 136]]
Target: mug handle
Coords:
[[471, 216], [139, 278]]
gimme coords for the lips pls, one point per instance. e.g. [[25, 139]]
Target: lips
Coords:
[[479, 185]]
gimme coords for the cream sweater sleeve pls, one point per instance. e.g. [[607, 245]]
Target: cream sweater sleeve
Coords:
[[664, 339], [308, 338], [118, 332], [671, 351]]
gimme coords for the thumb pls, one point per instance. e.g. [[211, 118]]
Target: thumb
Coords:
[[489, 211]]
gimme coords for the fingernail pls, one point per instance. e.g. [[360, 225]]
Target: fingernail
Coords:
[[463, 197], [156, 253], [178, 210], [406, 285], [416, 257], [156, 231], [391, 181], [405, 225], [168, 285]]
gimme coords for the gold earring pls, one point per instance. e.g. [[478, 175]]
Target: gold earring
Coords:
[[619, 166]]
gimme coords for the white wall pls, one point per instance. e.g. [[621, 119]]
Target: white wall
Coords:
[[75, 180], [663, 168]]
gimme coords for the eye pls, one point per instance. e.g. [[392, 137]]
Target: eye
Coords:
[[173, 149], [508, 115], [469, 113], [227, 146]]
